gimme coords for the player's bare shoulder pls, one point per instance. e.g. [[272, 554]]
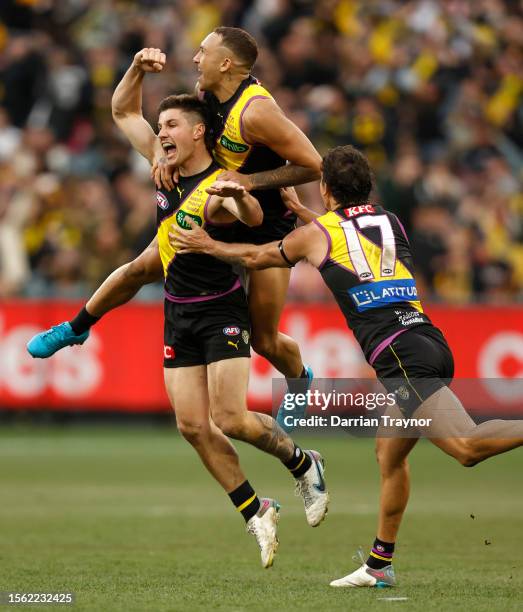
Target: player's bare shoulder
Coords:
[[258, 116], [307, 242]]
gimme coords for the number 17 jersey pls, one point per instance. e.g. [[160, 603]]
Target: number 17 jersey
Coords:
[[369, 269]]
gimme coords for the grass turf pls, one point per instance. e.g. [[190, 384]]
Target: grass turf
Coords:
[[129, 520]]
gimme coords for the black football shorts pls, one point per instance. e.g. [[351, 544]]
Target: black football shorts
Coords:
[[199, 333], [415, 365]]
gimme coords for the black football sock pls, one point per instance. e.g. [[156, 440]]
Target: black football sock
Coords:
[[381, 554], [83, 322], [245, 500], [298, 385], [299, 463]]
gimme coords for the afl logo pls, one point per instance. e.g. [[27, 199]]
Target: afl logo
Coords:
[[162, 201], [231, 331]]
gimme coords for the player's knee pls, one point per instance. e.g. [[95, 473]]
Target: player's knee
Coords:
[[136, 270], [141, 270], [387, 463], [264, 343], [230, 424], [193, 431], [468, 454]]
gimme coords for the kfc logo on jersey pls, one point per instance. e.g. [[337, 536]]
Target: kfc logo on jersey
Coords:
[[162, 201], [231, 331], [168, 352], [358, 210]]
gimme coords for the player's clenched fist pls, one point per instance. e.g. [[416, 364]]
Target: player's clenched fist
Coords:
[[150, 60]]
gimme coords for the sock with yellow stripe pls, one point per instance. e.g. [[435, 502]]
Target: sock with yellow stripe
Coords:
[[381, 554], [299, 463], [245, 500]]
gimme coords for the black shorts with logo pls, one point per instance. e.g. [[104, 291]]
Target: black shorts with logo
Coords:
[[199, 333], [415, 365]]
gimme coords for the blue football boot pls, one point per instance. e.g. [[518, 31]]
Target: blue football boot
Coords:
[[46, 343], [294, 411]]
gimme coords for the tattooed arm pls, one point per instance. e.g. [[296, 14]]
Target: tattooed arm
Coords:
[[283, 176], [264, 123]]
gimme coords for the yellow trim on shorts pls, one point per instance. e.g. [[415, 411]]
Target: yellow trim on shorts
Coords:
[[246, 503], [405, 373]]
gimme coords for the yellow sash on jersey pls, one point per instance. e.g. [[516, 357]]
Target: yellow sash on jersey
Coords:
[[193, 206], [231, 149], [381, 287]]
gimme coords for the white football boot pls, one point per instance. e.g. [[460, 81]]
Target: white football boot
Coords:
[[312, 488], [366, 576], [263, 526]]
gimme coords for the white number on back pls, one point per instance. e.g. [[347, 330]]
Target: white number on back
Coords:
[[356, 252]]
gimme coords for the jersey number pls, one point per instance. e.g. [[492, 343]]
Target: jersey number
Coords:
[[356, 252]]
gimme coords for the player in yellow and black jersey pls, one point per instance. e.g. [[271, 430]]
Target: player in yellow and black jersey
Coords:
[[234, 151], [193, 277], [206, 352], [364, 257], [368, 266], [206, 325], [260, 149]]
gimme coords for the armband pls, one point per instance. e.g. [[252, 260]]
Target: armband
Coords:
[[287, 260]]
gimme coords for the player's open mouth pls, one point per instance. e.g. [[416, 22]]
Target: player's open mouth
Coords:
[[169, 148]]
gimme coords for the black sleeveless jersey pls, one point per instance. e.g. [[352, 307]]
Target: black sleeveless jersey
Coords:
[[369, 269], [233, 151], [192, 276]]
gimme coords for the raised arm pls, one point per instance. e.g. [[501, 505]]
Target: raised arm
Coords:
[[264, 123], [126, 103]]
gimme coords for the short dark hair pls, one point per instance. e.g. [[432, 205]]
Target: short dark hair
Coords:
[[191, 104], [347, 175], [241, 43]]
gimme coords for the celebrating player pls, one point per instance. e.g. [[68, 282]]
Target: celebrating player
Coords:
[[252, 139], [364, 257], [207, 331]]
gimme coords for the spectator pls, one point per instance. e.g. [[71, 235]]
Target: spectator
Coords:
[[431, 91]]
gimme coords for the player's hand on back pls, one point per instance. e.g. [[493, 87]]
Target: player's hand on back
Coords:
[[150, 60], [292, 202], [290, 198], [226, 189], [237, 177], [164, 174], [195, 240]]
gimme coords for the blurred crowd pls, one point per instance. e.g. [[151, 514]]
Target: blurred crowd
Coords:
[[430, 90]]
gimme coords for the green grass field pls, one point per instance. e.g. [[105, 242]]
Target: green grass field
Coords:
[[129, 520]]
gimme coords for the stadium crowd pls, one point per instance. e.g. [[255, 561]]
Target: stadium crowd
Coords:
[[431, 91]]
